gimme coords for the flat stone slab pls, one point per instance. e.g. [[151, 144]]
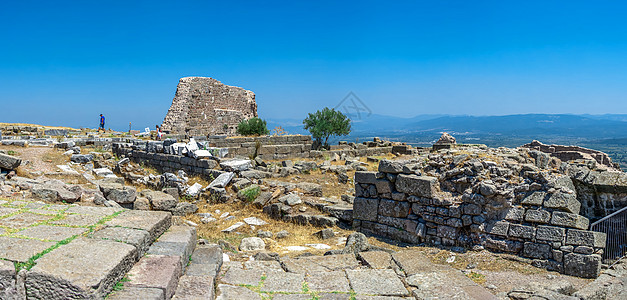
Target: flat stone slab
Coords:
[[283, 282], [292, 297], [92, 210], [230, 292], [23, 220], [84, 268], [156, 271], [376, 282], [51, 233], [155, 222], [440, 285], [376, 259], [134, 293], [332, 281], [236, 276], [266, 266], [316, 264], [20, 250], [207, 254], [7, 211], [78, 220], [414, 262], [136, 237], [195, 287]]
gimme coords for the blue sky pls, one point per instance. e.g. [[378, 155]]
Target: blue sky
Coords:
[[64, 63]]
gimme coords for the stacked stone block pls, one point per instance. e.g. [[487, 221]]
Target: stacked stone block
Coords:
[[543, 225], [270, 147]]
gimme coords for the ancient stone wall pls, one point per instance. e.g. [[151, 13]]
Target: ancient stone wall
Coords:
[[204, 106], [569, 153], [270, 147], [497, 200]]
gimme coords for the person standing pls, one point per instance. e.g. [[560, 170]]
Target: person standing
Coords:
[[102, 123]]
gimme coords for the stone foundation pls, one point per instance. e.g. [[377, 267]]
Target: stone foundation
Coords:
[[449, 200]]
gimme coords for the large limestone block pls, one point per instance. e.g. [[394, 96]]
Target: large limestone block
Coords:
[[9, 162], [421, 186], [85, 268]]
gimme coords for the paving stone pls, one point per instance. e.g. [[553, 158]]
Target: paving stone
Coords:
[[22, 220], [376, 259], [134, 293], [78, 220], [333, 296], [52, 233], [292, 297], [136, 237], [207, 254], [2, 231], [43, 211], [84, 268], [57, 207], [177, 241], [7, 211], [266, 266], [155, 222], [195, 287], [376, 282], [92, 210], [156, 271], [246, 277], [229, 292], [435, 285], [412, 262], [34, 205], [332, 281], [201, 270], [16, 249], [283, 282], [335, 262], [302, 266], [363, 297]]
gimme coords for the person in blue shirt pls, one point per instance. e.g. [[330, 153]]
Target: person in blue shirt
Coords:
[[102, 122]]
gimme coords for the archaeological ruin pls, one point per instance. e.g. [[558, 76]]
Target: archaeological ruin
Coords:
[[204, 106]]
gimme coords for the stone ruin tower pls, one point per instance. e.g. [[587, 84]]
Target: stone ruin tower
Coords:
[[204, 106]]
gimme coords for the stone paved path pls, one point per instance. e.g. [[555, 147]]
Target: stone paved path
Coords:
[[51, 251], [79, 252]]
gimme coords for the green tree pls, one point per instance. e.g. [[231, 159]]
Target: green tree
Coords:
[[254, 126], [327, 122]]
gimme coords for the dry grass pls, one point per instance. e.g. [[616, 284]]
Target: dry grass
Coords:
[[299, 235]]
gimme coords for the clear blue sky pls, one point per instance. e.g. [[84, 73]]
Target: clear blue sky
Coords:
[[64, 63]]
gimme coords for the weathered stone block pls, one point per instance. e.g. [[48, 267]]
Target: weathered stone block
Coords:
[[563, 201], [447, 232], [422, 186], [537, 216], [515, 214], [391, 208], [569, 220], [586, 238], [472, 209], [498, 228], [405, 224], [581, 265], [365, 209], [540, 251], [384, 187], [365, 177], [503, 245], [550, 233], [389, 166], [535, 198], [522, 231]]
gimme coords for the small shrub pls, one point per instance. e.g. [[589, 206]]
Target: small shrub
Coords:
[[254, 126], [325, 123], [250, 193]]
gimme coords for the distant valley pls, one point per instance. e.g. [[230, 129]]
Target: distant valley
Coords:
[[607, 133]]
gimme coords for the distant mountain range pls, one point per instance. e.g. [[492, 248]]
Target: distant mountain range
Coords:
[[602, 132]]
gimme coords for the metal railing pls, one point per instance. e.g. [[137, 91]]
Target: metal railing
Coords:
[[615, 226]]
